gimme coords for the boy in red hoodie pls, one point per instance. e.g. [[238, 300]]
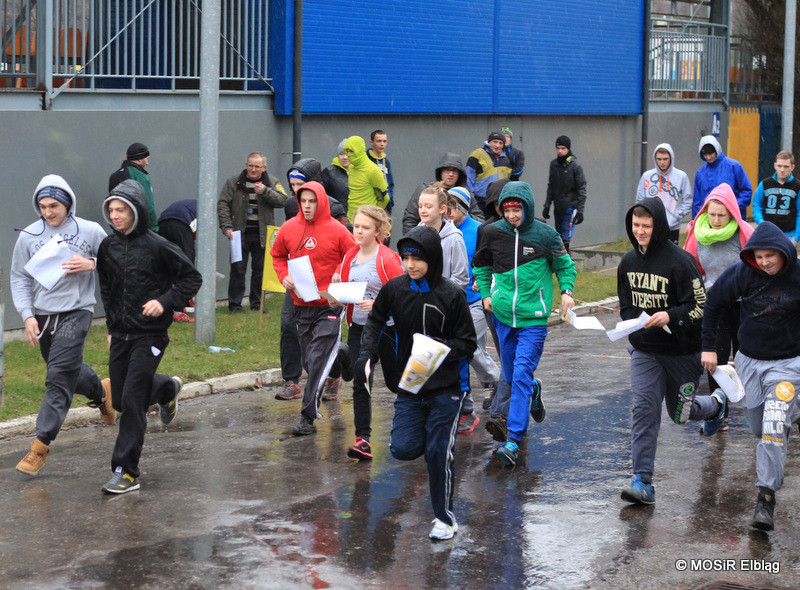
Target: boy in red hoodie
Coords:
[[313, 233]]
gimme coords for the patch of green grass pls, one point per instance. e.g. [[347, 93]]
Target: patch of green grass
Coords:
[[256, 349]]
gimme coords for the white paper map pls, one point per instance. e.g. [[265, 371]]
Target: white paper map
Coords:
[[305, 285], [348, 292], [729, 381], [45, 265], [626, 327], [582, 322]]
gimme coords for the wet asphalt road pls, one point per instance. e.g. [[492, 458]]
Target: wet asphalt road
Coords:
[[230, 499]]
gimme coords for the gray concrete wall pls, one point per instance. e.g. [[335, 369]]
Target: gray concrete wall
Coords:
[[85, 137]]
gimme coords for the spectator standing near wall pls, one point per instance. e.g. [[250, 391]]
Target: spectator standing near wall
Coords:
[[377, 154], [566, 190], [516, 157], [137, 159], [775, 199], [670, 185], [487, 164]]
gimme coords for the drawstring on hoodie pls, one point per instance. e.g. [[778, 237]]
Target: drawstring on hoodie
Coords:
[[47, 323]]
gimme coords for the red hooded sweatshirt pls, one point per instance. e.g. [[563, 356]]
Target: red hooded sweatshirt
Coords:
[[323, 239]]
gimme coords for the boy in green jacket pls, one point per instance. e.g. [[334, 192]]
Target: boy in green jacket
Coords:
[[513, 267]]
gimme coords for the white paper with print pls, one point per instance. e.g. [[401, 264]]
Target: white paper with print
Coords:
[[305, 285], [45, 265], [728, 380], [427, 355]]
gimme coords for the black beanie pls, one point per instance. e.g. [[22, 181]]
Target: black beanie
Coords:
[[497, 134], [409, 247], [565, 141], [137, 151]]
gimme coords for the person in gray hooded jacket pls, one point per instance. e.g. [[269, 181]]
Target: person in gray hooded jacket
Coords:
[[58, 315], [670, 185]]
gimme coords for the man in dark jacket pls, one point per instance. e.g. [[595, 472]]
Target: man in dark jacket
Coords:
[[566, 190], [334, 178], [134, 167], [450, 172], [765, 287], [660, 279], [516, 157], [143, 279], [422, 302], [246, 204]]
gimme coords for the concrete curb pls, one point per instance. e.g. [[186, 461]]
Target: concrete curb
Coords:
[[82, 416]]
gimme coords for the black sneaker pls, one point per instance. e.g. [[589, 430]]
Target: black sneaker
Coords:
[[496, 426], [305, 427], [489, 391], [121, 483], [170, 409], [361, 450], [343, 356], [765, 509], [538, 411]]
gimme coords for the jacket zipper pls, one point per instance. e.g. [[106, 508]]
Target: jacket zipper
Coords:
[[516, 284]]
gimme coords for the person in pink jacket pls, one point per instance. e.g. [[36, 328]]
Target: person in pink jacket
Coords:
[[715, 238], [372, 262]]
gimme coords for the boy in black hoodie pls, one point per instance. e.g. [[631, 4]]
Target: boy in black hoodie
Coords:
[[660, 278], [767, 283], [426, 422]]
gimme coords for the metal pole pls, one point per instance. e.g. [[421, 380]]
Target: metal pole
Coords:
[[297, 82], [206, 299], [645, 157], [44, 50], [787, 106]]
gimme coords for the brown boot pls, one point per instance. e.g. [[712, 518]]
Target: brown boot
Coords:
[[35, 458], [107, 412]]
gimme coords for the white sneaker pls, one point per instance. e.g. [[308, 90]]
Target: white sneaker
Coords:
[[442, 531]]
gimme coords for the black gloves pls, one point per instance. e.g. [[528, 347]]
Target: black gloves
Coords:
[[578, 218], [546, 212]]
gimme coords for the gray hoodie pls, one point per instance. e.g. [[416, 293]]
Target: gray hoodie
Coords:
[[672, 187], [455, 264], [72, 291]]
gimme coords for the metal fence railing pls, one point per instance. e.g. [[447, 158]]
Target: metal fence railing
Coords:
[[748, 73], [688, 60], [56, 45]]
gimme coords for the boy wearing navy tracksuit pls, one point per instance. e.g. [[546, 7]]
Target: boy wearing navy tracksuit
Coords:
[[425, 423]]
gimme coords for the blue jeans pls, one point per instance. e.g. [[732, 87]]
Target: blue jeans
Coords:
[[520, 351], [562, 223], [429, 426]]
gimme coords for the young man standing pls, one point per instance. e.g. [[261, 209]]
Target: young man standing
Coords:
[[58, 318], [765, 286], [660, 278], [716, 169], [776, 198], [487, 164], [425, 423], [516, 157], [670, 185], [143, 280], [514, 267], [377, 154], [313, 233], [566, 190]]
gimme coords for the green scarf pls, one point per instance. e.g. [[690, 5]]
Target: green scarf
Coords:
[[707, 235]]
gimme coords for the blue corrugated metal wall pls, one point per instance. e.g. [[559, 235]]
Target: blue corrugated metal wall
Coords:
[[449, 56]]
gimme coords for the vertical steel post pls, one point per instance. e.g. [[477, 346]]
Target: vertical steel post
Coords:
[[645, 158], [2, 345], [45, 53], [787, 103], [297, 82], [204, 327]]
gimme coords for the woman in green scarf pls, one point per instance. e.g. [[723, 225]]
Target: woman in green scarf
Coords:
[[715, 238]]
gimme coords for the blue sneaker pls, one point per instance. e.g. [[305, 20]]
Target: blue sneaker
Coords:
[[639, 492], [711, 427], [537, 404], [509, 453]]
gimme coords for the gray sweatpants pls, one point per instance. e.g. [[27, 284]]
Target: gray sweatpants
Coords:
[[486, 370], [61, 341], [771, 407], [658, 378]]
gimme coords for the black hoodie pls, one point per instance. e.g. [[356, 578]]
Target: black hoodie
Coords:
[[433, 306], [664, 278], [312, 170], [448, 160], [138, 267], [770, 304]]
